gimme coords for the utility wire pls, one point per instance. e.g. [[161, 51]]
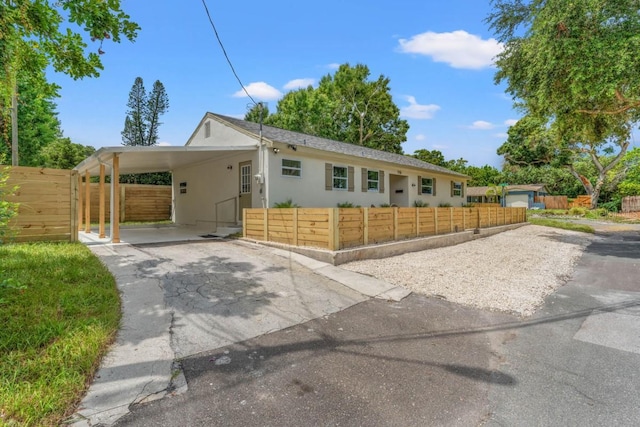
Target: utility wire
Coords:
[[204, 3]]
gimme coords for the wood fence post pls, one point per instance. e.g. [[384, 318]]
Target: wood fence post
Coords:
[[479, 218], [451, 220], [265, 224], [244, 223], [365, 226], [395, 223], [417, 222], [295, 226], [73, 210], [80, 199], [334, 232], [435, 220], [464, 219], [87, 205], [101, 233]]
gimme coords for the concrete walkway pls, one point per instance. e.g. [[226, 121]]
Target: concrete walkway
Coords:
[[180, 299]]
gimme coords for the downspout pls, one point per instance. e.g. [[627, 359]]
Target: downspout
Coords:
[[261, 179]]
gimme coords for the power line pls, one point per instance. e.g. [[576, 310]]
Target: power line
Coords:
[[204, 3]]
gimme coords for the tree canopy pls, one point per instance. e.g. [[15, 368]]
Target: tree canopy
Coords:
[[571, 68], [347, 107], [38, 34]]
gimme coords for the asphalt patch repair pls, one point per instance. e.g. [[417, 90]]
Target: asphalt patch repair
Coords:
[[419, 361]]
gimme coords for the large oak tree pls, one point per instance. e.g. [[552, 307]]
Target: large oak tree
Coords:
[[346, 106], [572, 70]]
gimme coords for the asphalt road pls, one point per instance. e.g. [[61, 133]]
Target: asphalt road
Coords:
[[428, 362]]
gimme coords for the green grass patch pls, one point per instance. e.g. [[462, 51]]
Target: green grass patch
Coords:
[[60, 310], [565, 225]]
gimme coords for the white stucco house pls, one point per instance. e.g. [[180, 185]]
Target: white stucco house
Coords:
[[230, 164]]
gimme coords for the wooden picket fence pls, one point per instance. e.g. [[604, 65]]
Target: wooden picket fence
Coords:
[[341, 228], [47, 201]]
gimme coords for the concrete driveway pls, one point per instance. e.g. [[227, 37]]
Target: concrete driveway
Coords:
[[180, 299]]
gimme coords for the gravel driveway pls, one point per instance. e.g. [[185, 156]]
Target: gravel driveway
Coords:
[[511, 271]]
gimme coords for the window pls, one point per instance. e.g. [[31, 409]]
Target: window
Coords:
[[456, 189], [207, 129], [426, 186], [340, 178], [373, 181], [291, 167]]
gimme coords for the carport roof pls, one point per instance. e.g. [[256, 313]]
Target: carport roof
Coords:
[[154, 159]]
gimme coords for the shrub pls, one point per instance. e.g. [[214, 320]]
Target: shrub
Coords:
[[7, 209], [286, 204], [444, 205], [420, 204], [385, 205], [578, 211], [347, 205]]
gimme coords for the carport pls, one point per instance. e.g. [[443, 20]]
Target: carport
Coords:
[[124, 160]]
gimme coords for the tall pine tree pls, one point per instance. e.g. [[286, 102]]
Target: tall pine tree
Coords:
[[143, 117]]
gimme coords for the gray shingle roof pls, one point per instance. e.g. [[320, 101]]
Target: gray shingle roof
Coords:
[[301, 139]]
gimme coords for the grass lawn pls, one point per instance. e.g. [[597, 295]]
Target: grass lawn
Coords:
[[60, 310], [558, 223]]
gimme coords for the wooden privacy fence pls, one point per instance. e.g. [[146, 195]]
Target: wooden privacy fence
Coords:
[[341, 228], [138, 202], [47, 204], [554, 202], [631, 204], [581, 202]]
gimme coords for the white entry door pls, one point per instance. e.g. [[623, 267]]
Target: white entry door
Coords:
[[245, 187]]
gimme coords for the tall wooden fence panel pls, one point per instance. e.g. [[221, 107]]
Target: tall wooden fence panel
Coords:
[[138, 202], [47, 200], [553, 202], [581, 202], [631, 204], [341, 228]]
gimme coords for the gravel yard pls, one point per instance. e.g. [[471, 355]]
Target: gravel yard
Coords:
[[511, 271]]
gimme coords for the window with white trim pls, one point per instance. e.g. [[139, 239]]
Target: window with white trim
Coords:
[[373, 181], [291, 167], [457, 189], [340, 178], [426, 186]]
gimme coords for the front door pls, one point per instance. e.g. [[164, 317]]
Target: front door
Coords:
[[245, 187]]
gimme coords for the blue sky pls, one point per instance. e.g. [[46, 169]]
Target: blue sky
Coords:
[[437, 55]]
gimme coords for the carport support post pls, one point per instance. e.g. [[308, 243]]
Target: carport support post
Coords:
[[87, 203], [79, 213], [115, 198], [101, 192]]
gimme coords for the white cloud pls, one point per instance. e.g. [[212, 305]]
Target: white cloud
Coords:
[[459, 49], [418, 111], [333, 66], [164, 144], [259, 90], [481, 125], [510, 122], [299, 83], [420, 137]]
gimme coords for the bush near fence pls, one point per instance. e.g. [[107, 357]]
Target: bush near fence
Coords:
[[341, 228], [138, 202], [47, 204]]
